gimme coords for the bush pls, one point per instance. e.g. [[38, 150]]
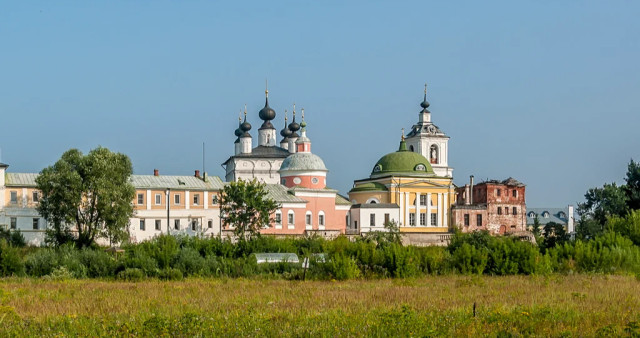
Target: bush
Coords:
[[170, 274], [98, 263], [139, 259], [131, 274], [11, 263], [41, 262], [469, 259], [343, 267], [14, 238], [190, 262]]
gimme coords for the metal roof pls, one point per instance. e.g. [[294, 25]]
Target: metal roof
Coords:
[[557, 215], [281, 194], [341, 200], [20, 179], [262, 152], [376, 206]]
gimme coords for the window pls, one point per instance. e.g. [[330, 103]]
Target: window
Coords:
[[434, 219], [142, 225], [176, 224], [386, 218], [157, 224], [562, 215], [423, 199], [479, 220], [321, 219], [36, 197], [514, 211], [545, 214], [498, 192], [532, 215], [194, 225], [36, 223], [158, 199], [412, 219], [372, 220], [278, 218], [423, 219], [140, 199], [14, 197], [506, 210], [466, 220], [14, 223], [214, 199], [176, 199], [499, 210], [514, 193], [314, 180], [307, 219], [210, 224], [290, 218], [196, 199]]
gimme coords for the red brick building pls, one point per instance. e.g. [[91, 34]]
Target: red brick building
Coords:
[[496, 206]]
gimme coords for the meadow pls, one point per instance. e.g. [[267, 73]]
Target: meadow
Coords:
[[551, 305]]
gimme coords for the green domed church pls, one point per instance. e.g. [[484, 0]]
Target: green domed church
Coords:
[[404, 187]]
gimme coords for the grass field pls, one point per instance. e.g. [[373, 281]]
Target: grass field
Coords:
[[577, 305]]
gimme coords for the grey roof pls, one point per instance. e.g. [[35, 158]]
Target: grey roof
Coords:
[[3, 165], [341, 200], [20, 179], [482, 206], [262, 152], [509, 181], [138, 181], [376, 206], [303, 161], [281, 194], [326, 189], [557, 215], [176, 182]]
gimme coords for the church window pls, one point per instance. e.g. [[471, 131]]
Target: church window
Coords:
[[411, 148], [421, 167], [321, 218], [433, 154], [479, 220], [434, 219], [278, 217], [372, 220], [423, 199], [290, 217], [499, 210], [377, 168], [307, 218], [314, 180], [297, 180], [283, 181], [514, 211], [423, 219], [466, 220], [412, 219]]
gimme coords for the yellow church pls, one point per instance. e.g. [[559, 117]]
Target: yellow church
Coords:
[[412, 186]]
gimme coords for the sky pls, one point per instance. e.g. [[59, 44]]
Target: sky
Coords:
[[546, 92]]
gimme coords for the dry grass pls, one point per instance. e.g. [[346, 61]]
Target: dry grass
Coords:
[[584, 305]]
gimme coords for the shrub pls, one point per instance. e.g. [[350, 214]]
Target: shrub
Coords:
[[98, 263], [11, 263], [400, 261], [14, 237], [139, 259], [468, 259], [190, 262], [170, 274], [41, 262], [343, 267], [131, 274], [59, 273]]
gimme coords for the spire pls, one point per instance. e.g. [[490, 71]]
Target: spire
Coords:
[[294, 126], [245, 126], [425, 103], [285, 132], [267, 114], [303, 124], [403, 144], [238, 131]]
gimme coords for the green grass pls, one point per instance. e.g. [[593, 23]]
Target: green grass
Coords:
[[575, 305]]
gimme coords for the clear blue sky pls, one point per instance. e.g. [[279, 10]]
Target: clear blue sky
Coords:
[[544, 91]]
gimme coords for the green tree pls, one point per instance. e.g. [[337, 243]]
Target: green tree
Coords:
[[554, 234], [632, 188], [601, 203], [86, 197], [383, 238], [246, 207], [535, 228]]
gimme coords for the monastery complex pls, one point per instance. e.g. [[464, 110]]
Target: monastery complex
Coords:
[[412, 186]]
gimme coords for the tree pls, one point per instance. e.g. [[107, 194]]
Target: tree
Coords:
[[632, 188], [554, 234], [246, 207], [382, 238], [601, 203], [535, 228], [87, 197]]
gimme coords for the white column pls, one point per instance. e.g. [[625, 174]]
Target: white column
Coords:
[[400, 204], [148, 199], [417, 209], [446, 207], [428, 209], [186, 199], [24, 197], [439, 221], [406, 210], [206, 200]]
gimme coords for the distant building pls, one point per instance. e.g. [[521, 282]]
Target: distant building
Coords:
[[496, 206], [565, 216]]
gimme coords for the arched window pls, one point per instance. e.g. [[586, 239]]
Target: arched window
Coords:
[[411, 148], [373, 200], [321, 220], [434, 154], [290, 218], [545, 214], [278, 218], [308, 219]]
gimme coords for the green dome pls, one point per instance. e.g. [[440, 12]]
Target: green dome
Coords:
[[402, 162], [370, 186]]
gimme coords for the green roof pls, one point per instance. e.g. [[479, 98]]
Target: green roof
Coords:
[[370, 186], [402, 162]]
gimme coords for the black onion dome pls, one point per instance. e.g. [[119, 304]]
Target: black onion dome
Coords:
[[294, 126], [245, 126], [285, 132], [425, 103], [238, 132], [266, 113]]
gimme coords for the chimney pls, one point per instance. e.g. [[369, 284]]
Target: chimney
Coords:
[[471, 189], [197, 174], [156, 172], [570, 220], [466, 194]]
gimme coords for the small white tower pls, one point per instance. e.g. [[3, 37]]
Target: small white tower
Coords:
[[429, 141], [267, 133]]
